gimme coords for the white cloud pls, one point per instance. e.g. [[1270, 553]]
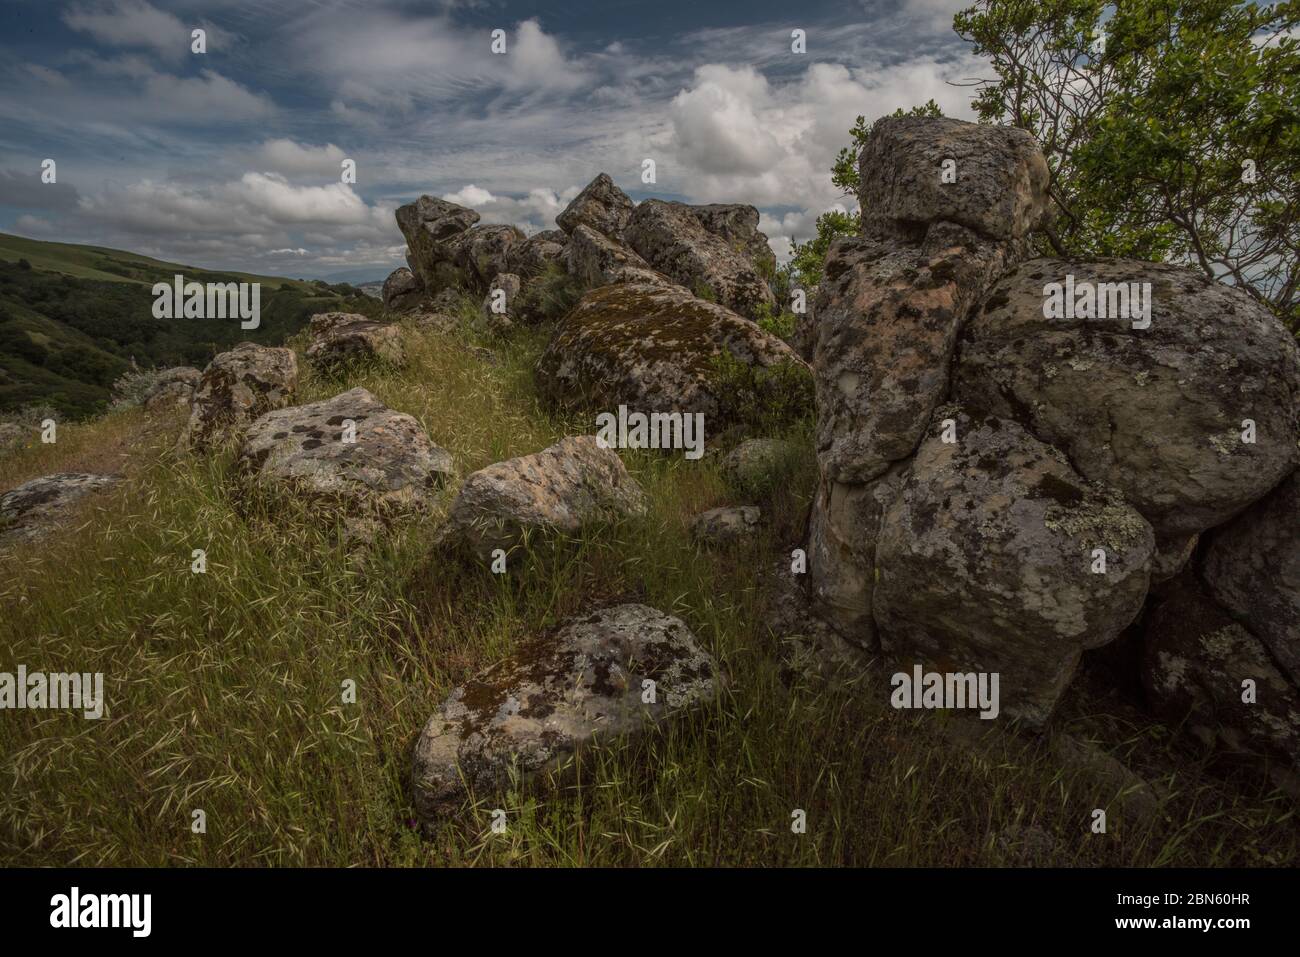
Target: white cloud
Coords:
[[535, 211], [291, 158], [135, 23]]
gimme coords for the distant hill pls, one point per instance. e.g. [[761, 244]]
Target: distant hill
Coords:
[[72, 319]]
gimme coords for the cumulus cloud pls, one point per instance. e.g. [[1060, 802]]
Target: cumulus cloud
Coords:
[[135, 23], [297, 159], [535, 211]]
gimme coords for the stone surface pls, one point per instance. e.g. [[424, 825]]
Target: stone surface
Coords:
[[174, 389], [655, 348], [430, 225], [984, 562], [391, 466], [339, 339], [579, 686], [237, 387], [737, 223], [402, 291], [755, 463], [509, 285], [671, 239], [1155, 412], [534, 254], [596, 260], [1000, 190], [725, 526], [33, 509], [561, 489], [1252, 568], [481, 252], [601, 206]]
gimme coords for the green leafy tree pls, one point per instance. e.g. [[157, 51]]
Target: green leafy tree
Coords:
[[1171, 128]]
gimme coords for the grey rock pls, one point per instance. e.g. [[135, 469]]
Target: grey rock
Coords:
[[237, 387], [37, 507], [737, 224], [173, 389], [430, 225], [725, 526], [753, 464], [602, 206], [339, 339], [403, 290], [596, 260]]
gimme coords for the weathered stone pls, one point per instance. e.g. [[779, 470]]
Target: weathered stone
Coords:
[[670, 238], [403, 290], [596, 260], [561, 489], [725, 526], [755, 463], [1252, 568], [558, 695], [656, 348], [481, 252], [504, 288], [1157, 412], [342, 338], [986, 558], [1001, 182], [35, 508], [737, 223], [391, 466], [601, 206], [173, 389], [237, 387], [534, 254], [429, 225]]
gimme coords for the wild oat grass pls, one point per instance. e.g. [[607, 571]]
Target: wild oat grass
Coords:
[[223, 690]]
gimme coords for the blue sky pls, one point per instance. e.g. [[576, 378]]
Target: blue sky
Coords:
[[231, 158]]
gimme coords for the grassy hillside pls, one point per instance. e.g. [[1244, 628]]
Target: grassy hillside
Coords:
[[72, 319], [223, 689]]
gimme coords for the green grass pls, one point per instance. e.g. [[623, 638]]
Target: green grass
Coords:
[[224, 690]]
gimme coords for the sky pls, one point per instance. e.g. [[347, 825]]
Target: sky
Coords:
[[232, 158]]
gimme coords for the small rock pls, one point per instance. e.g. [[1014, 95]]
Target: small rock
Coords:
[[601, 206], [341, 338], [174, 389], [725, 526], [35, 508], [403, 290], [237, 387], [752, 464]]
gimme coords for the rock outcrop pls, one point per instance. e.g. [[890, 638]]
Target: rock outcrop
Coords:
[[433, 228], [561, 489], [597, 260], [173, 389], [737, 224], [613, 673], [339, 339], [601, 206], [402, 291], [237, 387], [35, 508]]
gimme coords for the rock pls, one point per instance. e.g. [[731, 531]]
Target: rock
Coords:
[[597, 260], [1136, 798], [1172, 556], [725, 526], [481, 252], [670, 238], [1001, 182], [35, 508], [563, 489], [390, 467], [173, 389], [755, 463], [1252, 568], [237, 387], [1155, 412], [11, 436], [505, 286], [403, 290], [737, 224], [1195, 661], [537, 252], [601, 206], [816, 648], [804, 338], [429, 225], [985, 562], [657, 348], [888, 316], [556, 696], [342, 338]]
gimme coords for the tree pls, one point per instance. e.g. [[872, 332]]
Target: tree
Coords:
[[1171, 128]]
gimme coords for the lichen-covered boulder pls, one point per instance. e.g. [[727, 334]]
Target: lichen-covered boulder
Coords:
[[998, 184], [503, 294], [1160, 412], [35, 508], [593, 680], [481, 252], [987, 561], [429, 226], [402, 291], [537, 252], [737, 223], [1197, 662], [657, 348], [339, 339], [237, 387], [888, 317], [173, 389], [725, 526], [350, 451], [671, 239], [1252, 568], [601, 206], [597, 260], [561, 489]]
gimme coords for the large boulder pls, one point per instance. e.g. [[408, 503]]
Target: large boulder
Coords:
[[429, 226], [596, 260], [987, 562], [173, 389], [481, 252], [737, 223], [1252, 568], [888, 317], [601, 206], [237, 387], [1196, 663], [537, 252], [657, 348], [402, 291], [563, 488], [35, 508], [339, 339], [670, 237], [1157, 412], [503, 293], [999, 186], [595, 679], [380, 464]]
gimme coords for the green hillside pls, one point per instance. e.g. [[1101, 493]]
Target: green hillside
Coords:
[[73, 318]]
